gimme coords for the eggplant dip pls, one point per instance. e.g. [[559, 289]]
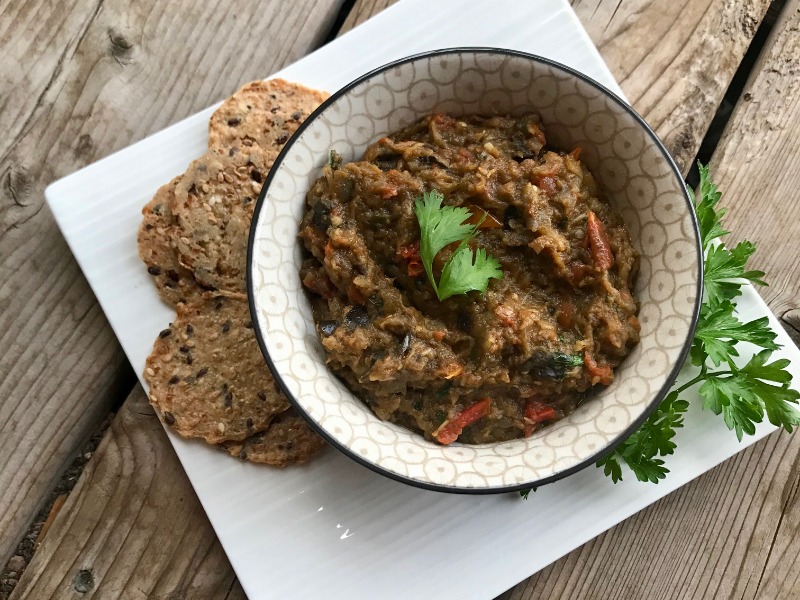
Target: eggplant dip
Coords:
[[467, 282]]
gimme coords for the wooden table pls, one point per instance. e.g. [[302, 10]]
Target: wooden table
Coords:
[[83, 78]]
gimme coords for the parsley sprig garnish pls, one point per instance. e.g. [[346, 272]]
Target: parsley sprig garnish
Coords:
[[741, 395], [441, 226]]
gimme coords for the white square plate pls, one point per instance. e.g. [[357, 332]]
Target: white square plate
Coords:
[[334, 529]]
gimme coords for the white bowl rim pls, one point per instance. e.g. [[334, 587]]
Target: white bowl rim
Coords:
[[658, 397]]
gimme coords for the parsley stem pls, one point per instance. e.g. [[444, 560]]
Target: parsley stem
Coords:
[[700, 377]]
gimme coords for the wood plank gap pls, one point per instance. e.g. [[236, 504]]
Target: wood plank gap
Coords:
[[734, 92], [30, 542], [336, 27], [132, 527]]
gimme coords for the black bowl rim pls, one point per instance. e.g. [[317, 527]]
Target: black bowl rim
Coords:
[[657, 398]]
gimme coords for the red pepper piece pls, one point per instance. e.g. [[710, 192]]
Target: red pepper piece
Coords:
[[539, 412], [319, 283], [411, 254], [536, 413], [597, 373], [547, 185], [577, 272], [443, 122], [449, 431], [415, 267], [565, 314], [355, 295], [410, 251], [598, 240]]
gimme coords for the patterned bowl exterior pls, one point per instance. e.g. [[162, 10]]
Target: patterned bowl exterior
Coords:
[[632, 168]]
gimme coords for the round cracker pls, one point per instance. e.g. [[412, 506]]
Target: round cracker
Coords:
[[288, 441], [174, 282], [207, 375], [265, 113], [213, 207]]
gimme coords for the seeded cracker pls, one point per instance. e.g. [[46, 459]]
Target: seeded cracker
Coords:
[[213, 207], [173, 282], [288, 441], [265, 113], [207, 376]]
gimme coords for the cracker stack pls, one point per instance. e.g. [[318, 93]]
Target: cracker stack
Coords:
[[207, 376]]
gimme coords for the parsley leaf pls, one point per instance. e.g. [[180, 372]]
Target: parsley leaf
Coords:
[[778, 400], [708, 217], [741, 395], [461, 275], [653, 439], [724, 267], [718, 330], [441, 226]]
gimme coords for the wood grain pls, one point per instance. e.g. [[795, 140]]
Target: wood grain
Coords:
[[81, 79], [757, 165], [729, 534], [132, 527], [734, 532], [710, 539], [673, 58]]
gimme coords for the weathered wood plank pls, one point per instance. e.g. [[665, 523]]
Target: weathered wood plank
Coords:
[[710, 539], [673, 58], [734, 532], [758, 163], [57, 356], [80, 80], [132, 527]]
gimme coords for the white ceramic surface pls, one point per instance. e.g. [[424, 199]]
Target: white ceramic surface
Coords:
[[632, 169], [334, 529]]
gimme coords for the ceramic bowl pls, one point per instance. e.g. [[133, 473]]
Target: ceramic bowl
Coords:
[[635, 173]]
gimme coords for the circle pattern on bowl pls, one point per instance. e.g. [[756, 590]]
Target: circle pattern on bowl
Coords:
[[632, 172]]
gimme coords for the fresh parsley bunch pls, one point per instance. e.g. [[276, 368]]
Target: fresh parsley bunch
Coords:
[[741, 395]]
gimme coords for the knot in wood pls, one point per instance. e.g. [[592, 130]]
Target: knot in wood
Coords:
[[84, 581], [121, 48]]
